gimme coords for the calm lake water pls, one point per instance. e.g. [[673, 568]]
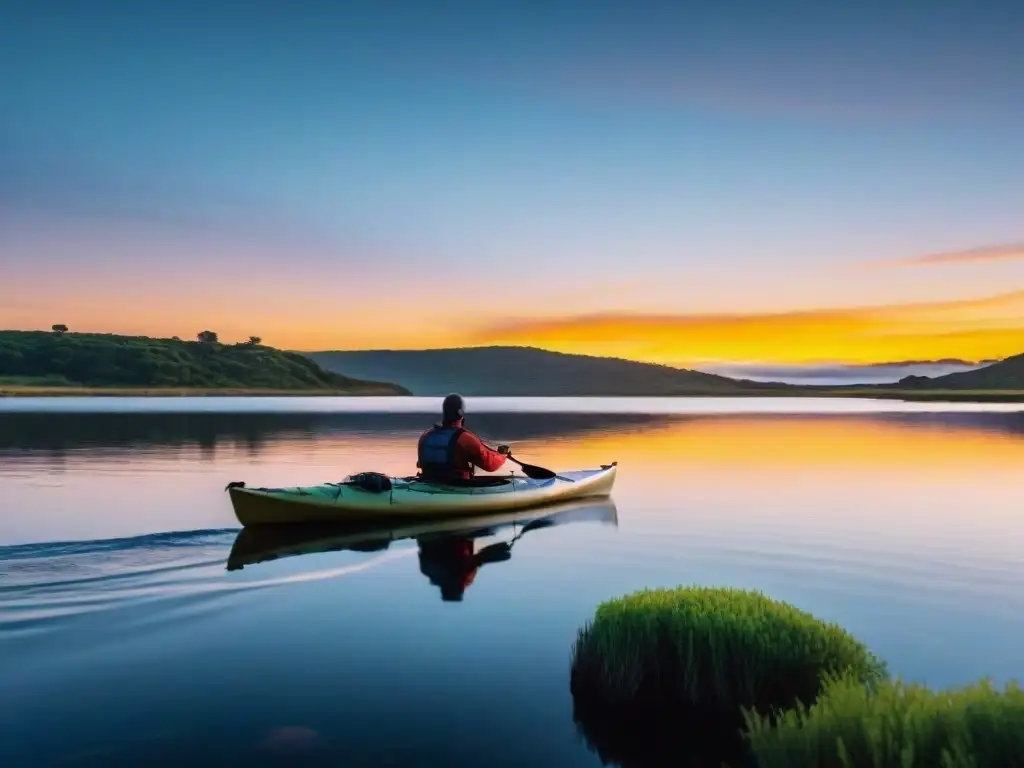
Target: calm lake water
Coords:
[[125, 639]]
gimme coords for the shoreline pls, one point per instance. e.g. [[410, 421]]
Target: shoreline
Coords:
[[941, 396], [909, 395], [17, 390]]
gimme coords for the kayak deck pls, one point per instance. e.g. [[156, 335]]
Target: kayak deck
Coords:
[[411, 497]]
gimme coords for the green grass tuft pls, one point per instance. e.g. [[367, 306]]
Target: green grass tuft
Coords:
[[717, 649], [896, 725], [704, 676], [665, 676]]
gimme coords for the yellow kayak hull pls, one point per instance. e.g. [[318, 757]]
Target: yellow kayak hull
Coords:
[[408, 498]]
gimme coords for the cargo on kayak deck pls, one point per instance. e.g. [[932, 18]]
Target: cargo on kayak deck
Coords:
[[372, 496]]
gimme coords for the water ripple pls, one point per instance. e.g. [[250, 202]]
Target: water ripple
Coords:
[[46, 584]]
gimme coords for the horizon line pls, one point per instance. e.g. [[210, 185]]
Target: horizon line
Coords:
[[694, 365]]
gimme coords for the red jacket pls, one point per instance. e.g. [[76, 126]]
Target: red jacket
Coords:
[[470, 452]]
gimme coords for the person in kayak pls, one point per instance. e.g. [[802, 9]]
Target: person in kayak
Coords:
[[449, 453]]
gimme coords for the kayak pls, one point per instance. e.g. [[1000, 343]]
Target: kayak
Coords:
[[265, 543], [372, 496]]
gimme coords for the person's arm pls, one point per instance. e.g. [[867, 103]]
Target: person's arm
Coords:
[[479, 454]]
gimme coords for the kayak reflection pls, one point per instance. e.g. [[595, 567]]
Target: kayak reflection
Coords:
[[447, 548]]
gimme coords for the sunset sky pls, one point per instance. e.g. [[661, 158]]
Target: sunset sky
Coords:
[[788, 182]]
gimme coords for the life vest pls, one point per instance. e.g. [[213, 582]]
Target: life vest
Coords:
[[436, 459]]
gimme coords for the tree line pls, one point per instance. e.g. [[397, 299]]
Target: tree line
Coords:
[[204, 337]]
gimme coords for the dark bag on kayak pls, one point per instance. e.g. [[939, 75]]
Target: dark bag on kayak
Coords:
[[371, 482]]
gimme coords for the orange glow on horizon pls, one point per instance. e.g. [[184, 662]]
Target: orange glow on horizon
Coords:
[[971, 329], [326, 317]]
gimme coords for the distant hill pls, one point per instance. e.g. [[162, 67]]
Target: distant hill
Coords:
[[940, 361], [1005, 374], [526, 371], [61, 359]]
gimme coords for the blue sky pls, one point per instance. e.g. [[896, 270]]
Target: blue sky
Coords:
[[538, 158]]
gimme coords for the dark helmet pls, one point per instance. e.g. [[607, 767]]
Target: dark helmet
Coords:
[[454, 408]]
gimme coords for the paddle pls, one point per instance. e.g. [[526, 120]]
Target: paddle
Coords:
[[537, 473], [533, 525], [502, 550]]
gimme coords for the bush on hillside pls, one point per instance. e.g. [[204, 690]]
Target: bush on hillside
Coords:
[[895, 725]]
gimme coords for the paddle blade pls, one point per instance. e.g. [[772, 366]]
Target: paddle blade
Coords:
[[537, 473], [534, 472]]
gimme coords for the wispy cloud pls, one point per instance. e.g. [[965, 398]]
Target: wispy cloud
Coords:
[[998, 252]]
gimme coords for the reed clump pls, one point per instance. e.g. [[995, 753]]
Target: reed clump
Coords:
[[664, 676], [714, 649], [895, 725]]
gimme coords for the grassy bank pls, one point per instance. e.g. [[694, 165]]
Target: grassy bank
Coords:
[[898, 725], [18, 387], [724, 677], [667, 672]]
